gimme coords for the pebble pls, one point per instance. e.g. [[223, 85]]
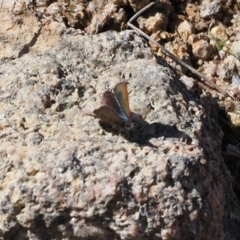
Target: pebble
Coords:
[[210, 9], [201, 50]]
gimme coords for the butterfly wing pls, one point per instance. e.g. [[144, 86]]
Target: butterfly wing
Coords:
[[111, 100], [108, 99], [108, 115], [121, 94], [110, 111]]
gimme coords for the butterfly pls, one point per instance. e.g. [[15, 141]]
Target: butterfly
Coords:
[[114, 108]]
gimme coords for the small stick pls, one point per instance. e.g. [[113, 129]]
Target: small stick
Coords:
[[169, 54]]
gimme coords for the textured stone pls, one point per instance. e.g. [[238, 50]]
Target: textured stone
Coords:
[[71, 169], [220, 33], [185, 29], [192, 12], [210, 9], [189, 82], [201, 49], [65, 176]]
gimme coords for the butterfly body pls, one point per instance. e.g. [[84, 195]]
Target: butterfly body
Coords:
[[115, 106]]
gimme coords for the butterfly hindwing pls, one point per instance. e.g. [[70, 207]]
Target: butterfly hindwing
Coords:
[[115, 106], [107, 114]]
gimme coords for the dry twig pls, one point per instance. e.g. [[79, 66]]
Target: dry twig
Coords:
[[169, 54]]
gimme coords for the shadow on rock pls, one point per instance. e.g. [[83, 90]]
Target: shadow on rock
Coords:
[[142, 131]]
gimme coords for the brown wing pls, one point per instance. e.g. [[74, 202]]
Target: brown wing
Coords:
[[108, 99], [108, 115]]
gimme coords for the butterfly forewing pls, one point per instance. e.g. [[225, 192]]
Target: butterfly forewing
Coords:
[[115, 106], [121, 94], [110, 100], [110, 111]]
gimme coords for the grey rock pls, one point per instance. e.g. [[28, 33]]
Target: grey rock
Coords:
[[210, 9], [201, 50], [64, 176], [34, 138]]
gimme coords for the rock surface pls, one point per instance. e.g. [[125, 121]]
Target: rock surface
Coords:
[[64, 176]]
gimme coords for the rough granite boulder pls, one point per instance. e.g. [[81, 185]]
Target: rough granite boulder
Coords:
[[63, 176]]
